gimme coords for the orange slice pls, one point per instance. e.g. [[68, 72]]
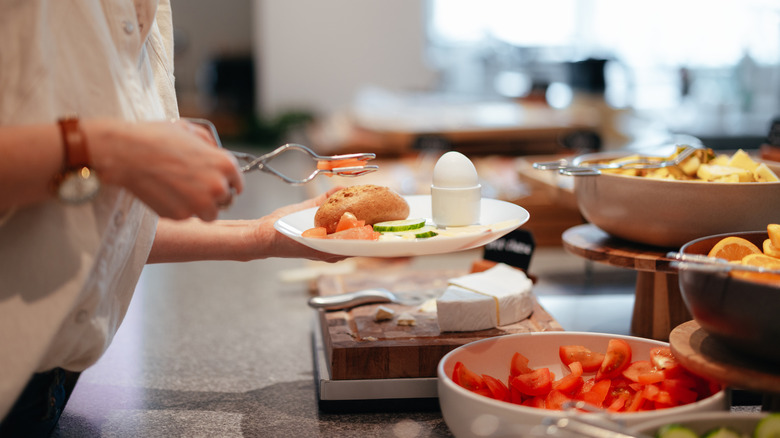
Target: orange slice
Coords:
[[763, 261], [770, 249], [774, 234], [733, 249]]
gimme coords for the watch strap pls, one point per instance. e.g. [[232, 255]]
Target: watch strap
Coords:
[[74, 143]]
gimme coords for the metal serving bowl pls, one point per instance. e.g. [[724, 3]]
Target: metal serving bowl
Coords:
[[669, 213], [742, 314]]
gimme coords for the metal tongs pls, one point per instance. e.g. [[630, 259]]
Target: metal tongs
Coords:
[[643, 162], [703, 263], [261, 163], [579, 420], [252, 162]]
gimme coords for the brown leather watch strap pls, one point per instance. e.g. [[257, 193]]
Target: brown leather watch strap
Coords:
[[74, 142]]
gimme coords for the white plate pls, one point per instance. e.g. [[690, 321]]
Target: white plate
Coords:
[[505, 215]]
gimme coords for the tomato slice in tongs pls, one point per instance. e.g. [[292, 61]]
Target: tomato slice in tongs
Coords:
[[349, 165]]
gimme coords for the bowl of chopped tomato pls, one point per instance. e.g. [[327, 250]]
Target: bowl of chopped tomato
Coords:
[[507, 385]]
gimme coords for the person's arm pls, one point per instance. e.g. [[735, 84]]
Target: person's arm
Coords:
[[241, 240], [31, 156], [173, 167]]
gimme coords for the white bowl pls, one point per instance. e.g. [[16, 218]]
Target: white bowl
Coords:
[[668, 213], [472, 415], [701, 422]]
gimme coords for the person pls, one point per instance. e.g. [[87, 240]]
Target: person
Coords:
[[87, 89]]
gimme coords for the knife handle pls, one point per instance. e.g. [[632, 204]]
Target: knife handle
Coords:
[[351, 299]]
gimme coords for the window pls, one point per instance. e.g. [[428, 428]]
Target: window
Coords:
[[730, 48]]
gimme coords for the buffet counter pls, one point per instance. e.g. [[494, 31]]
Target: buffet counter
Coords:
[[225, 348]]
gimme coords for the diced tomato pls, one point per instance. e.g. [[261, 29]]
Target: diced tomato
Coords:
[[515, 396], [537, 382], [663, 359], [518, 365], [633, 371], [467, 378], [680, 390], [576, 368], [713, 387], [618, 387], [572, 382], [365, 232], [655, 393], [590, 360], [652, 376], [616, 359], [660, 405], [587, 385], [317, 232], [456, 372], [642, 371], [555, 400], [347, 221], [498, 390], [619, 402], [636, 402], [347, 162], [596, 395], [484, 391], [535, 402]]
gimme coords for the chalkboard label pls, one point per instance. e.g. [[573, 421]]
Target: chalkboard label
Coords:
[[514, 249]]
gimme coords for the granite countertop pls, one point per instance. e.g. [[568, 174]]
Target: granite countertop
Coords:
[[222, 349]]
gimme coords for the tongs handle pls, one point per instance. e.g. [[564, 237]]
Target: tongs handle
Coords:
[[702, 263], [643, 162], [261, 162]]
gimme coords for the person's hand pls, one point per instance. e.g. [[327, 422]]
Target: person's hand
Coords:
[[244, 240], [175, 168], [284, 246]]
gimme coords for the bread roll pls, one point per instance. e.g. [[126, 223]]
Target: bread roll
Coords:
[[367, 202]]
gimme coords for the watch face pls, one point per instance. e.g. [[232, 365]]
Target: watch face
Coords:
[[78, 186]]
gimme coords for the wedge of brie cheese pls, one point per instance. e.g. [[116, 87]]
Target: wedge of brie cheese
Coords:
[[461, 310], [498, 296]]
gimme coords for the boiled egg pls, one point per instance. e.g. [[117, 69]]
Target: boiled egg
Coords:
[[455, 191]]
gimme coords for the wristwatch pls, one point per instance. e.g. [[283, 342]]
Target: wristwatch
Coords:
[[77, 182]]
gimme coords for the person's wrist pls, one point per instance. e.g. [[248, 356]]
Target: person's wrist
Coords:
[[266, 241], [107, 137], [77, 181]]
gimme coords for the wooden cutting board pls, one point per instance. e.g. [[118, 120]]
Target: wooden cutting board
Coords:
[[358, 347]]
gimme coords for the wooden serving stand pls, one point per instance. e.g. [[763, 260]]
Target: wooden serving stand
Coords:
[[358, 347], [704, 355], [658, 304]]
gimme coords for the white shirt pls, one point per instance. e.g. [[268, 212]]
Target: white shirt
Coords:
[[67, 273]]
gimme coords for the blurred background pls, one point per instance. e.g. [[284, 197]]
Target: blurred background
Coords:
[[493, 76]]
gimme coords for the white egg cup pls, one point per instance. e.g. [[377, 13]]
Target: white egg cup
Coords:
[[456, 207]]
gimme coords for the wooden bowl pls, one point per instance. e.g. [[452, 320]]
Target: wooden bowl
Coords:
[[741, 314]]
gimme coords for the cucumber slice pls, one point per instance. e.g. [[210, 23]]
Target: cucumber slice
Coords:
[[401, 225], [420, 233], [675, 431], [722, 432], [768, 427], [426, 234]]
